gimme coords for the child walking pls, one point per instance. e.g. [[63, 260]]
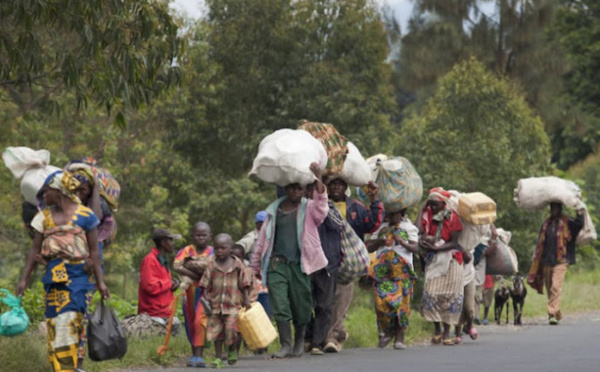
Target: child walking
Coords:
[[226, 285]]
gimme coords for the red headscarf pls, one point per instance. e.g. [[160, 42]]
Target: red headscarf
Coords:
[[439, 194]]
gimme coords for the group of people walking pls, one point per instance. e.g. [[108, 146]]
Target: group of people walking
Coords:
[[294, 254]]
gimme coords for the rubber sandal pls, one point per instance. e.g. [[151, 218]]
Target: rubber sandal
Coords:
[[218, 363], [449, 342], [192, 362], [457, 340], [232, 358], [473, 333], [399, 345], [384, 341], [436, 340]]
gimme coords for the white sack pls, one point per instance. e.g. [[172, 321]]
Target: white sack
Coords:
[[285, 156], [538, 192], [21, 159], [31, 167], [33, 180], [356, 170]]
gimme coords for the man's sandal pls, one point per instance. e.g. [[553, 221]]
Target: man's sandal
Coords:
[[436, 339], [449, 342]]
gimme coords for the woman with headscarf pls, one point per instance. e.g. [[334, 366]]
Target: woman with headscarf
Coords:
[[440, 228], [391, 272], [92, 196], [65, 237]]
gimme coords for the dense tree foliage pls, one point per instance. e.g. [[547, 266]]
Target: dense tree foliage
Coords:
[[117, 54]]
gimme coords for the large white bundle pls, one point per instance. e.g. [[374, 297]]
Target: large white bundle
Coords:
[[31, 167], [538, 192], [356, 171], [285, 156]]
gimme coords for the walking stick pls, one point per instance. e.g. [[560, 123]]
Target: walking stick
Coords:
[[162, 349]]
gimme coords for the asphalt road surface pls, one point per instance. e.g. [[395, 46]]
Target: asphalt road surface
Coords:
[[572, 346]]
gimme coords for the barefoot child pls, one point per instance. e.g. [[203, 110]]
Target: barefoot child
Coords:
[[226, 283]]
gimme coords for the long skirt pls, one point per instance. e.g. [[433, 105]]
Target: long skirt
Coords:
[[194, 316], [394, 279], [443, 296], [66, 285]]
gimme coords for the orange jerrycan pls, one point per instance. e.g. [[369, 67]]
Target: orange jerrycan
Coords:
[[256, 327]]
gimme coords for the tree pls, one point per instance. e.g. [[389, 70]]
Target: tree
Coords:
[[513, 42], [577, 30], [117, 54], [476, 133], [278, 62]]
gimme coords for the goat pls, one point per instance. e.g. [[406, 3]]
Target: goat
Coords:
[[501, 297], [518, 294]]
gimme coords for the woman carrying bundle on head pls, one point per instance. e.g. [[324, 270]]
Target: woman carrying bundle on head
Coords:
[[440, 228], [65, 236], [393, 276]]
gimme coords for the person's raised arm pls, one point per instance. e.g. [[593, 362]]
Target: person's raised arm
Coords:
[[31, 263], [95, 202], [319, 186]]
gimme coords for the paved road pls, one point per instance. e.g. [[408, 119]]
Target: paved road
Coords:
[[573, 346]]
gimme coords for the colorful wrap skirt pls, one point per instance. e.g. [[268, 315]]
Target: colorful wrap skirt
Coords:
[[394, 279], [67, 296]]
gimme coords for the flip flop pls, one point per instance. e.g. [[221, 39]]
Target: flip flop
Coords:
[[436, 339], [399, 345], [449, 342], [473, 333], [457, 340], [384, 341], [232, 358]]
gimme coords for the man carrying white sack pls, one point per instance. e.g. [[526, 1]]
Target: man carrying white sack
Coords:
[[363, 221], [287, 251], [554, 252]]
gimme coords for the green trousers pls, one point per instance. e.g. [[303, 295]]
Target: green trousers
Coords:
[[289, 293]]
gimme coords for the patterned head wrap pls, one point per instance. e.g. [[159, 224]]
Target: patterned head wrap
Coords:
[[62, 181], [84, 176], [439, 194]]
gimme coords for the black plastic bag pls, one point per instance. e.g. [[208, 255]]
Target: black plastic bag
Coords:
[[106, 339]]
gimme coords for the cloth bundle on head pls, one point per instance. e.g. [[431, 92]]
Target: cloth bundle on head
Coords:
[[87, 171], [62, 181], [84, 175], [439, 194]]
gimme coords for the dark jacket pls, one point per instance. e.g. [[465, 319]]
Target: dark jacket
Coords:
[[363, 220], [575, 226], [330, 234]]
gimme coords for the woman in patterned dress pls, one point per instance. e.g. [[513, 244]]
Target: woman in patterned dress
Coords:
[[391, 271]]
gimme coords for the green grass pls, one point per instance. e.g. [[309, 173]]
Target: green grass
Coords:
[[28, 352]]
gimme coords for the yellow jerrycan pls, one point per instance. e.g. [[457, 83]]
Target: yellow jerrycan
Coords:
[[256, 327]]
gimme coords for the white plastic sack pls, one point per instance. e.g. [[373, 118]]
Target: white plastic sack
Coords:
[[356, 171], [538, 192], [33, 180], [588, 232], [31, 167], [284, 157], [21, 159]]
